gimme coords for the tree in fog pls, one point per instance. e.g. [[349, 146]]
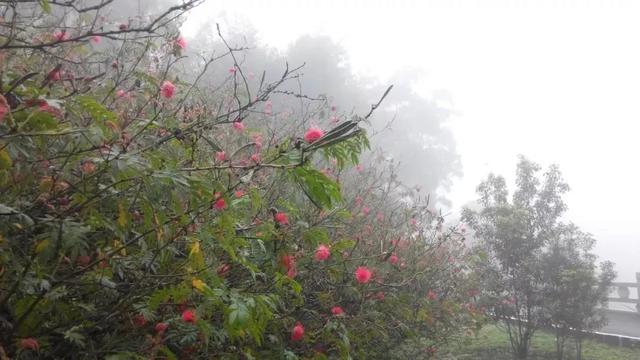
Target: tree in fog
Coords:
[[575, 291], [539, 271]]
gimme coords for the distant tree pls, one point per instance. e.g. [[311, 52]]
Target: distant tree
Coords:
[[574, 290], [513, 235]]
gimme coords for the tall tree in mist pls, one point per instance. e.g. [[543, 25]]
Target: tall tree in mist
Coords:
[[540, 271]]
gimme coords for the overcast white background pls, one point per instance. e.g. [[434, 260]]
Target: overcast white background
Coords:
[[557, 81]]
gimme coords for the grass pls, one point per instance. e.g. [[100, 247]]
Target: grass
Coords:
[[492, 343]]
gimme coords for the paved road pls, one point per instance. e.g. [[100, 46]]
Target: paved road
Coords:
[[623, 323]]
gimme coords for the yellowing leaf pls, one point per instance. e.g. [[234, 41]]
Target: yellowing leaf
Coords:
[[198, 284], [195, 248], [118, 244], [5, 160], [122, 215], [42, 245]]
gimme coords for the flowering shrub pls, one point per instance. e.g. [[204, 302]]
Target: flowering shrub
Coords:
[[146, 215]]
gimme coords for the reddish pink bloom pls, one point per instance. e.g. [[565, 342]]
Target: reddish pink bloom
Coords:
[[256, 158], [181, 43], [337, 311], [88, 167], [4, 109], [223, 270], [139, 321], [289, 262], [333, 108], [292, 272], [55, 74], [314, 133], [365, 210], [232, 70], [221, 156], [359, 168], [281, 218], [257, 140], [60, 35], [268, 107], [161, 327], [238, 126], [363, 275], [29, 344], [298, 332], [189, 316], [239, 193], [220, 204], [217, 194], [322, 253], [393, 259], [431, 295], [168, 89], [121, 94], [95, 39]]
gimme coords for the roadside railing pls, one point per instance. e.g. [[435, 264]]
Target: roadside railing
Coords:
[[624, 298]]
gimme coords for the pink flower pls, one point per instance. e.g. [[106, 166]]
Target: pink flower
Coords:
[[298, 332], [4, 108], [139, 321], [268, 107], [431, 295], [289, 262], [359, 168], [380, 216], [363, 275], [55, 74], [161, 327], [95, 39], [88, 167], [181, 42], [337, 311], [220, 204], [239, 193], [256, 158], [238, 126], [168, 89], [393, 259], [29, 344], [365, 210], [314, 133], [221, 156], [189, 316], [322, 253], [281, 218], [121, 94], [232, 70], [60, 35]]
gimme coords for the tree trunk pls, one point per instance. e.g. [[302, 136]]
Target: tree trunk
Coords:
[[560, 339], [578, 348]]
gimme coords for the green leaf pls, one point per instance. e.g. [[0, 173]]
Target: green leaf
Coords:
[[95, 109], [321, 190], [44, 4]]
